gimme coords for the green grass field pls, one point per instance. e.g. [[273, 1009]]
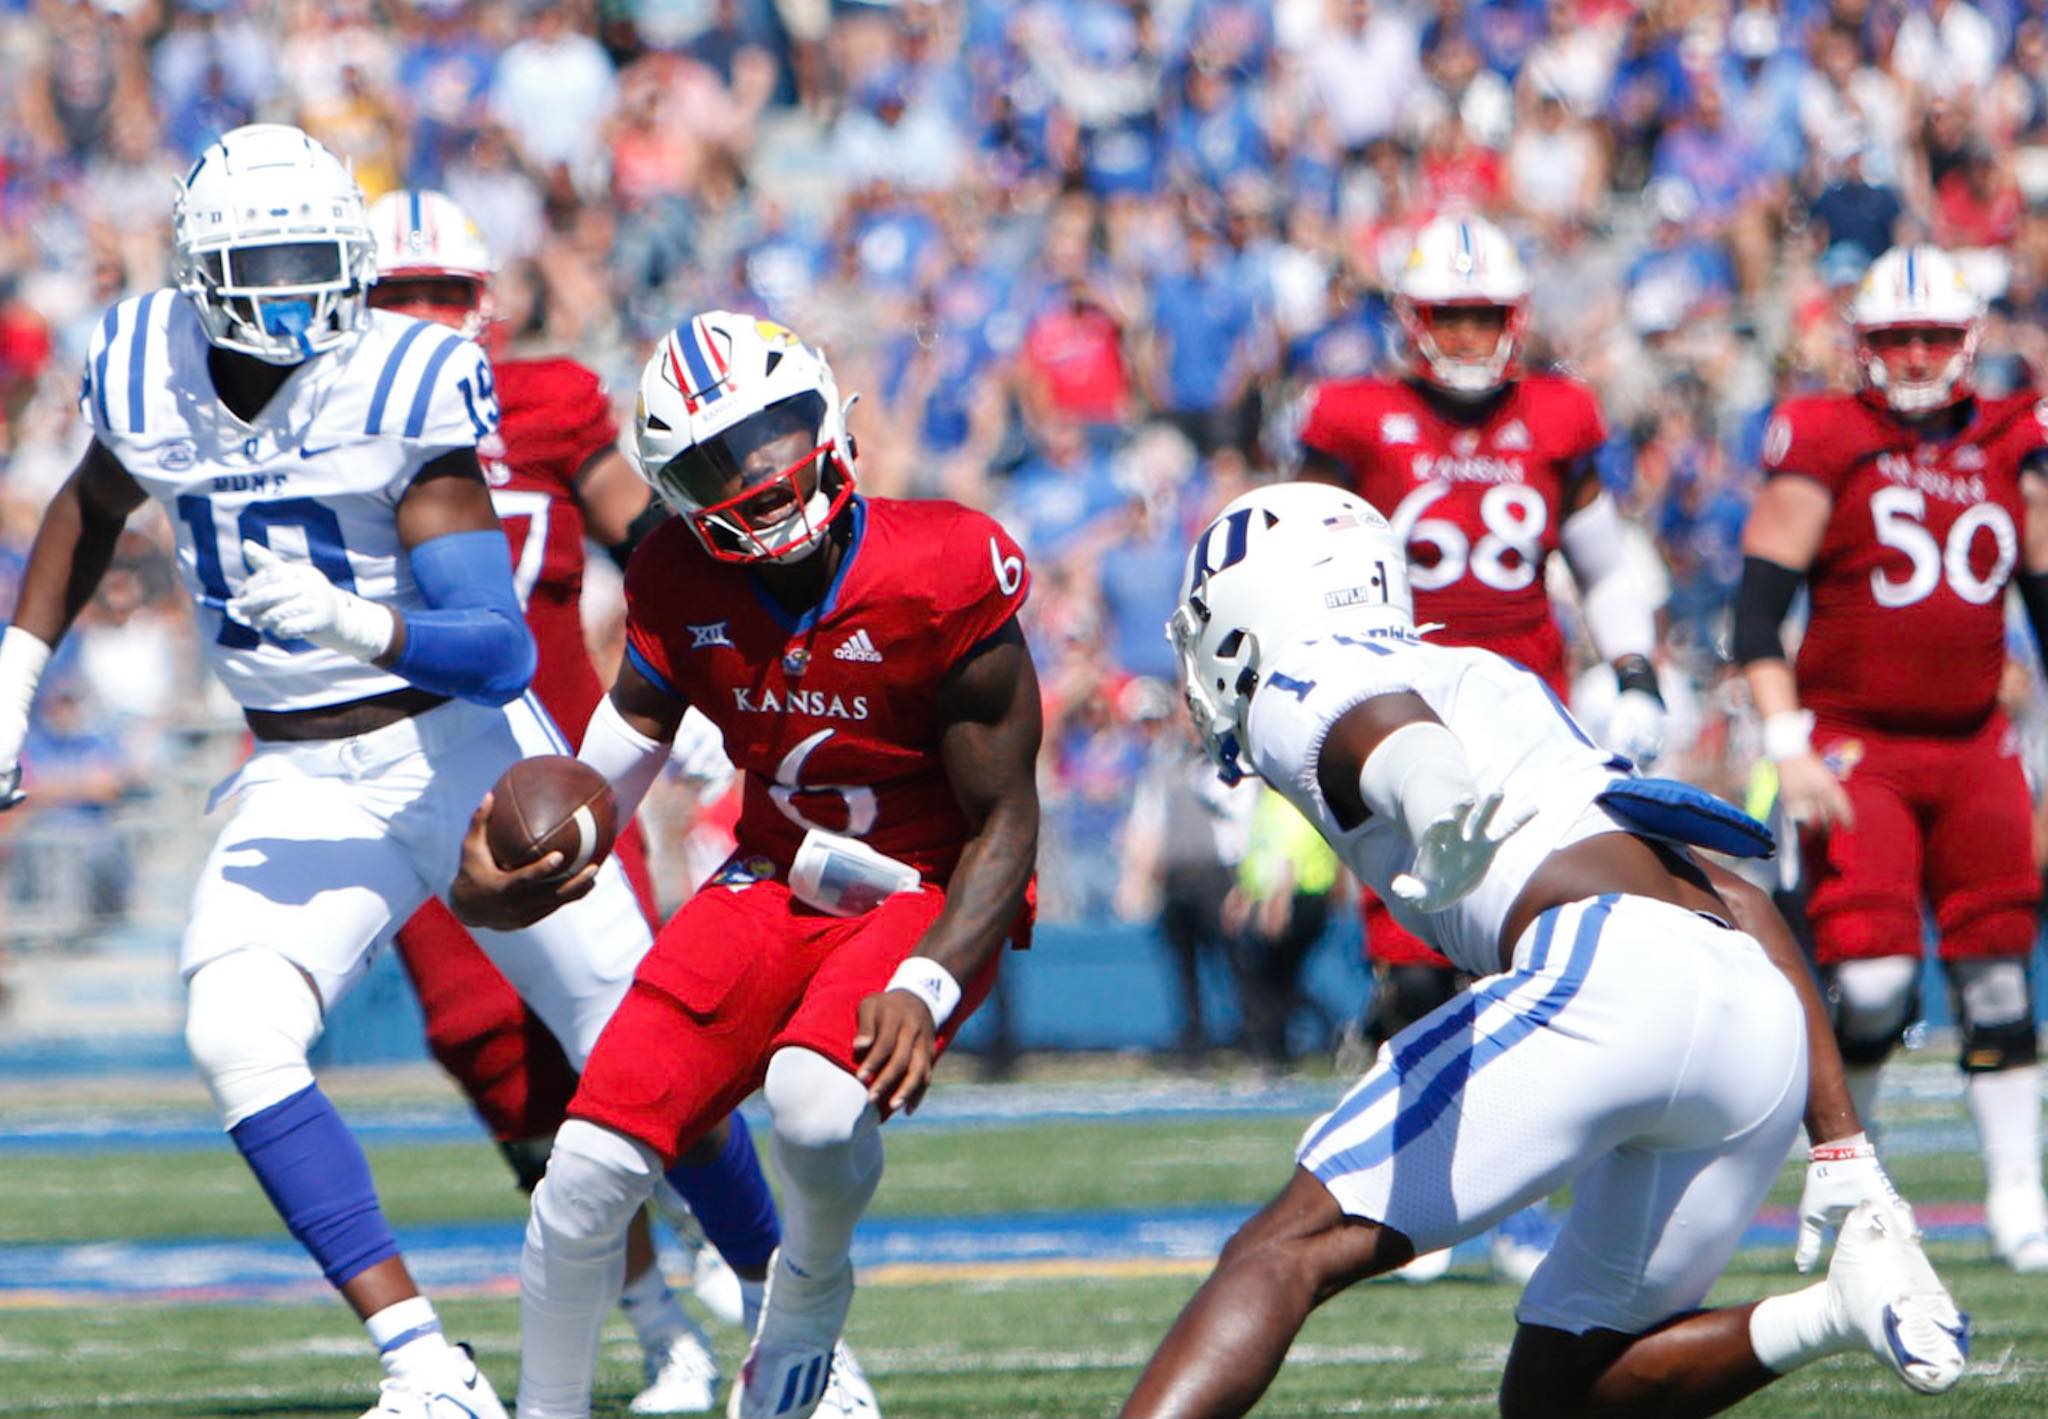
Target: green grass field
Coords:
[[1010, 1348]]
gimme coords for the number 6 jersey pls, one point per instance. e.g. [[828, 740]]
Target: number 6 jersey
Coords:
[[1477, 503], [316, 475], [1907, 632], [834, 714]]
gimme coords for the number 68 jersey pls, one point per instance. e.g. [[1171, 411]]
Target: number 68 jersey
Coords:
[[1907, 631], [316, 475], [833, 715], [1477, 503]]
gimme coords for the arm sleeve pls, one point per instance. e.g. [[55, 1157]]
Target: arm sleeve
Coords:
[[1618, 614], [987, 586], [1761, 603], [471, 640], [628, 759]]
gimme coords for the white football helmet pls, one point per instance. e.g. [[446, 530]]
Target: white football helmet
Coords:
[[423, 236], [1277, 564], [1462, 261], [718, 389], [269, 239], [1916, 286]]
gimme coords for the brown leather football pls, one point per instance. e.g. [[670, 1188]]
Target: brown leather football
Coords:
[[552, 803]]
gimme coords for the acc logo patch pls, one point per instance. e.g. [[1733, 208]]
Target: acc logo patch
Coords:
[[177, 456]]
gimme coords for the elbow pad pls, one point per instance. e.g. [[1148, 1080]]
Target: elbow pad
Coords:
[[628, 759], [1416, 775], [1761, 603], [471, 641]]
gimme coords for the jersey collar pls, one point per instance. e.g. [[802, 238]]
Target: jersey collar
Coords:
[[857, 509]]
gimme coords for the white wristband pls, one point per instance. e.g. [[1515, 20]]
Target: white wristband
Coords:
[[930, 982], [1787, 735]]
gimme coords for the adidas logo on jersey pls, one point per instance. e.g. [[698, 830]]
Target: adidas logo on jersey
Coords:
[[1402, 428], [858, 647], [1513, 437]]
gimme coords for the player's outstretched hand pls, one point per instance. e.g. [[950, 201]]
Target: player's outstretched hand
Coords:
[[488, 896], [1840, 1175], [894, 1043], [1811, 793], [1456, 850]]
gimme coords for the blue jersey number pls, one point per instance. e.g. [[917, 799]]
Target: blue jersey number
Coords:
[[315, 519]]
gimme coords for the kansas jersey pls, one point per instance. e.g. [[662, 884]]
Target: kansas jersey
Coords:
[[556, 419], [833, 715], [1478, 504], [1517, 737], [1907, 632], [317, 474]]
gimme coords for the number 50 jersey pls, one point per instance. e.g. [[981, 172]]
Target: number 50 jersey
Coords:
[[833, 715], [1477, 503], [317, 474], [1907, 632]]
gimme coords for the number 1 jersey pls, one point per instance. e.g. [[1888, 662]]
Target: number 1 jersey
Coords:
[[1477, 503], [316, 475], [833, 714], [1907, 631]]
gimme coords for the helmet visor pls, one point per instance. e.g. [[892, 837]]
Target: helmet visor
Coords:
[[289, 265], [754, 471]]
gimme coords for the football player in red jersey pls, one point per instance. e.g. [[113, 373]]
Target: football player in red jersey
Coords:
[[1906, 508], [863, 659], [557, 478], [1485, 471]]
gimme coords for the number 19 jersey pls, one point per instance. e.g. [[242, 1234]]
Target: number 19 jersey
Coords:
[[317, 475], [1477, 503], [1907, 632]]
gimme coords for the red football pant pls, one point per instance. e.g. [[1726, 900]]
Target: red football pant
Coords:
[[1947, 820], [737, 974], [478, 1028]]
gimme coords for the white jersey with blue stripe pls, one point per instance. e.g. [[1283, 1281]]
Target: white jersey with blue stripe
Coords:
[[317, 474], [1517, 738]]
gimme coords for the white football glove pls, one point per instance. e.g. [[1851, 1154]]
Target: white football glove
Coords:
[[1839, 1176], [1636, 727], [296, 601], [1455, 851]]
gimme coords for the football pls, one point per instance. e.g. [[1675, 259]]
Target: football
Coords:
[[552, 803]]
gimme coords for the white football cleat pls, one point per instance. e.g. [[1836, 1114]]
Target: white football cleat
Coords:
[[462, 1392], [1884, 1291], [1428, 1267], [789, 1366], [682, 1377], [848, 1395], [2017, 1219], [716, 1286]]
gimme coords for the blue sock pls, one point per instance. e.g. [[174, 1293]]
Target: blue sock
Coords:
[[732, 1203], [315, 1175]]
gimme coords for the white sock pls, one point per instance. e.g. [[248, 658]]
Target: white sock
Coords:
[[1862, 1081], [408, 1338], [575, 1263], [652, 1309], [751, 1293], [2006, 1106], [1796, 1329], [828, 1151]]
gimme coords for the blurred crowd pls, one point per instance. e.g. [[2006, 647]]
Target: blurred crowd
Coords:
[[1080, 258]]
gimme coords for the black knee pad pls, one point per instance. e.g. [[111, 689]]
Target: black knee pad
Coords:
[[1404, 994], [1864, 1043], [528, 1159], [1993, 1000]]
